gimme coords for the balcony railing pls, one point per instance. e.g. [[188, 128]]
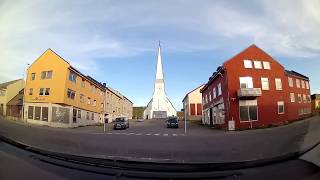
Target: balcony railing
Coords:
[[249, 93]]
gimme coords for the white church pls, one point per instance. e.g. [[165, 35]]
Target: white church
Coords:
[[160, 105]]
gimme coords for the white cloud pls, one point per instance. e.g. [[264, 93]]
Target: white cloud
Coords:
[[83, 32]]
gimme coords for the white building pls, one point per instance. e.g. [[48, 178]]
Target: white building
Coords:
[[160, 105]]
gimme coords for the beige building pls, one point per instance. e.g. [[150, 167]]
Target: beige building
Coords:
[[192, 104], [117, 105], [9, 90]]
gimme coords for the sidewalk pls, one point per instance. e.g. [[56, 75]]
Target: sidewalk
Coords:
[[207, 147]]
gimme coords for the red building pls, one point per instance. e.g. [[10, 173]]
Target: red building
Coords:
[[254, 90]]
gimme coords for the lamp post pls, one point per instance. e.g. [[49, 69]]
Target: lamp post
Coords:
[[24, 92]]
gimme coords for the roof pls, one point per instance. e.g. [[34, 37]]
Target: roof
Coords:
[[213, 77], [315, 96], [192, 91], [296, 74], [17, 100], [6, 84]]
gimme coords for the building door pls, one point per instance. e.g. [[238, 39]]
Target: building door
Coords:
[[211, 117], [74, 116]]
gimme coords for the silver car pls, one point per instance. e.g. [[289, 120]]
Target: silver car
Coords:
[[121, 123]]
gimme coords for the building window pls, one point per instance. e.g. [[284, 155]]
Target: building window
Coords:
[[299, 98], [266, 65], [82, 98], [44, 114], [264, 83], [71, 94], [257, 64], [307, 85], [31, 91], [2, 92], [300, 111], [292, 99], [30, 112], [79, 113], [94, 103], [102, 105], [83, 83], [214, 93], [42, 92], [219, 89], [280, 107], [206, 99], [298, 83], [192, 109], [308, 98], [88, 116], [290, 80], [72, 77], [304, 98], [92, 116], [247, 64], [210, 99], [46, 74], [47, 92], [199, 109], [89, 101], [33, 76], [246, 82], [278, 84], [37, 112], [302, 84], [248, 110]]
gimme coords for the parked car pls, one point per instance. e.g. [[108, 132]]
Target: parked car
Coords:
[[172, 122], [121, 123]]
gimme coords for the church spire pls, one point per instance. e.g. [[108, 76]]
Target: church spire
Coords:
[[159, 73]]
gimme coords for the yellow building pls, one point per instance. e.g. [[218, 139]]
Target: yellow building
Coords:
[[9, 90], [192, 104], [58, 95], [117, 105], [315, 103]]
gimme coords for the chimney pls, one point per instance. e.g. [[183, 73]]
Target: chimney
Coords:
[[104, 84]]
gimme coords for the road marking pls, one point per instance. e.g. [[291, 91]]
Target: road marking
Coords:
[[148, 134], [156, 134], [174, 134], [138, 134], [165, 134]]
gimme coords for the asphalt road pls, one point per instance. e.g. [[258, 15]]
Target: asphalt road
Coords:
[[20, 164], [200, 144]]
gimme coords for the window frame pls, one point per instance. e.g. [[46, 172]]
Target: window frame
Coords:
[[257, 64], [266, 65], [281, 103], [290, 81], [292, 97], [265, 80], [277, 85], [247, 64]]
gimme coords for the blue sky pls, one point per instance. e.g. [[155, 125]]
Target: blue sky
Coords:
[[116, 41]]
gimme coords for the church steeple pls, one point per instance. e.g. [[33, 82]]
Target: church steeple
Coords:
[[159, 73]]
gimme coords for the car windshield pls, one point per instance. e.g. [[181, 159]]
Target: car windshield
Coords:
[[120, 120], [162, 83], [173, 120]]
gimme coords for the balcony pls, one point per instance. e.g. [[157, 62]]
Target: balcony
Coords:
[[249, 93]]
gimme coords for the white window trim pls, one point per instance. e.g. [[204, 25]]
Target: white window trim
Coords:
[[267, 80], [247, 64], [279, 104], [266, 65], [275, 81], [257, 64]]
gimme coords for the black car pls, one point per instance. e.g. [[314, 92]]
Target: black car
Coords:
[[172, 123], [121, 123]]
